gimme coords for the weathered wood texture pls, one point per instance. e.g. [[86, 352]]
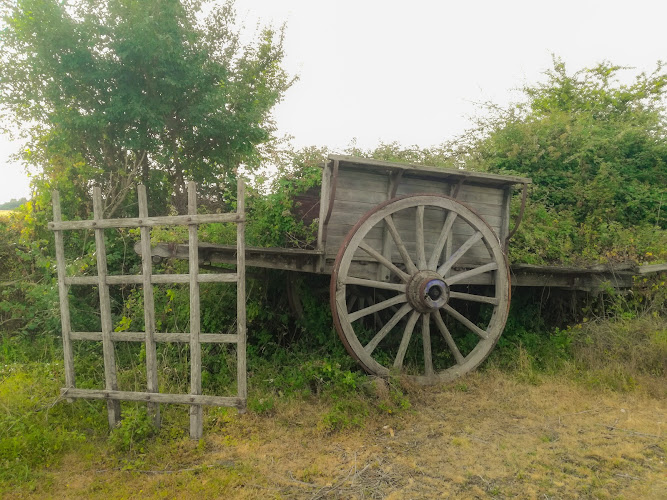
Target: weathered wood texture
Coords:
[[361, 187], [149, 305], [147, 279], [196, 411], [572, 278], [154, 398], [451, 174], [110, 381], [64, 297]]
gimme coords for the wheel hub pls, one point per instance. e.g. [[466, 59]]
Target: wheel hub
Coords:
[[427, 291]]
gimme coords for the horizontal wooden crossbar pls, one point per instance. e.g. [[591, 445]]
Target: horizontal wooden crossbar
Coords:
[[156, 279], [152, 397], [130, 222], [204, 338]]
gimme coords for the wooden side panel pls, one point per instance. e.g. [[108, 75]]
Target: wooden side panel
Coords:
[[360, 191], [357, 192]]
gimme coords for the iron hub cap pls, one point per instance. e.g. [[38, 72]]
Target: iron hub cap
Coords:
[[427, 292]]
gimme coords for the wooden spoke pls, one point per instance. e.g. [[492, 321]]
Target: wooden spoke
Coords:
[[382, 347], [465, 321], [419, 237], [448, 338], [459, 253], [405, 341], [474, 298], [350, 280], [398, 299], [379, 336], [491, 266], [426, 341], [384, 261], [407, 260], [442, 240]]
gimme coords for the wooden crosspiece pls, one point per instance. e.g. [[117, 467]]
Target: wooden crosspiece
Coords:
[[150, 337]]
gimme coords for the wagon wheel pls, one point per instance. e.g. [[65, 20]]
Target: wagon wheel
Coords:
[[427, 291]]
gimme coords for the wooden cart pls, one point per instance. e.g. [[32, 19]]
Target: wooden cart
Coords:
[[419, 276]]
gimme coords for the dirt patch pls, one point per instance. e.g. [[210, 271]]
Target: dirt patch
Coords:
[[487, 436]]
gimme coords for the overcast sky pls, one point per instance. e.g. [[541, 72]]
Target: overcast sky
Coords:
[[412, 71]]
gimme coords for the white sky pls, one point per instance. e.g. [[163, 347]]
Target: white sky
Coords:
[[411, 71]]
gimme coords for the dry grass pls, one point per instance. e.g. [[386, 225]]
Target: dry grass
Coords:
[[488, 436]]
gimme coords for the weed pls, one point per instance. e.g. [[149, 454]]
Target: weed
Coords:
[[133, 431], [344, 414], [35, 430], [262, 405]]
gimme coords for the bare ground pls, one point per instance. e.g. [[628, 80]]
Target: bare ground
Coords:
[[489, 436]]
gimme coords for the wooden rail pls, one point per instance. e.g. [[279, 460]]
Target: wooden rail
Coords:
[[111, 393]]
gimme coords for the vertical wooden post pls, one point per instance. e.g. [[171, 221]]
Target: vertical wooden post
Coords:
[[241, 296], [196, 411], [324, 207], [111, 384], [149, 305], [64, 298], [505, 218]]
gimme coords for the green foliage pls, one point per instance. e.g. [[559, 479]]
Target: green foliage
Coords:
[[119, 91], [596, 151], [134, 430], [344, 414], [34, 430], [275, 218]]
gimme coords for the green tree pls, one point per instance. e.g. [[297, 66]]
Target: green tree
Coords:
[[596, 150], [117, 91]]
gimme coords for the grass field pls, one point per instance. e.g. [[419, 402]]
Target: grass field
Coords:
[[490, 435]]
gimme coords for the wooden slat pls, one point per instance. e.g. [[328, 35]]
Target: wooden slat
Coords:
[[652, 268], [341, 224], [241, 363], [152, 397], [325, 192], [353, 195], [150, 336], [351, 162], [362, 180], [394, 183], [65, 321], [361, 200], [149, 305], [132, 222], [111, 383], [156, 279], [196, 411], [412, 185], [204, 338]]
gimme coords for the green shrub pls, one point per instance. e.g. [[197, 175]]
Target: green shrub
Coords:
[[133, 431]]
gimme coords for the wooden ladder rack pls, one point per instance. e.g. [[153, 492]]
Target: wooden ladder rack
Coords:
[[150, 337]]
